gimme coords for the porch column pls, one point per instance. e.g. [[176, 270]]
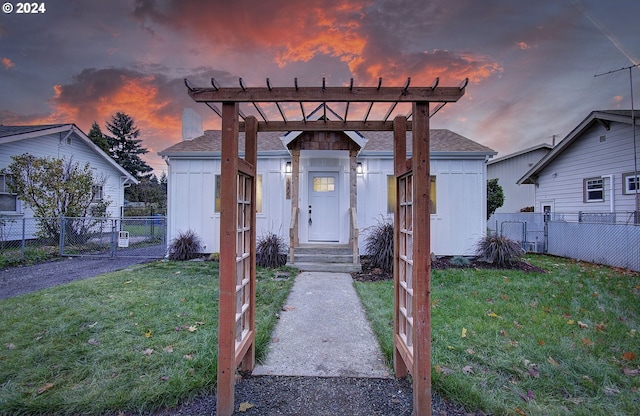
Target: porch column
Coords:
[[422, 261], [353, 204], [295, 192]]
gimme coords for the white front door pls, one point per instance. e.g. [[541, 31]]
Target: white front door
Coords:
[[324, 207]]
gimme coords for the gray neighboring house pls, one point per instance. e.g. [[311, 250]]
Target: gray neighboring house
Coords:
[[508, 169], [62, 141], [594, 169]]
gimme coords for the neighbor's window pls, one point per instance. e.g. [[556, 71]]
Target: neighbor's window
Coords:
[[218, 185], [97, 193], [631, 183], [391, 194], [8, 200], [594, 190]]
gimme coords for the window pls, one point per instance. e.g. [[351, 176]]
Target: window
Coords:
[[631, 183], [324, 184], [594, 190], [391, 194], [97, 193], [8, 200], [218, 184]]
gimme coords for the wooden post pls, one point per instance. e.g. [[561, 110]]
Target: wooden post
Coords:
[[251, 157], [353, 204], [295, 190], [399, 162], [227, 292], [422, 261]]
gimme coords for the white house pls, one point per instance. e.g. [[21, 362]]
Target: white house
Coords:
[[62, 141], [458, 186], [508, 169], [594, 169]]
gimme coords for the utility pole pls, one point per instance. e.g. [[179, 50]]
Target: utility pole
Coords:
[[635, 148]]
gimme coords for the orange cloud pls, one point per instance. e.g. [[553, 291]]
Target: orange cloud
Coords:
[[7, 63]]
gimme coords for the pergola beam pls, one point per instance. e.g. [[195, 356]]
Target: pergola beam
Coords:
[[322, 125]]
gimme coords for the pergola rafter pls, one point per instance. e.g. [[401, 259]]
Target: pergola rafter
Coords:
[[412, 263]]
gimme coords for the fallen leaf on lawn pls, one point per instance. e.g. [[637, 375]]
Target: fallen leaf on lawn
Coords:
[[464, 333], [178, 272], [520, 411], [127, 282], [631, 372], [183, 300], [632, 333], [188, 356], [168, 349], [164, 378], [451, 347], [470, 351], [582, 325], [244, 406], [571, 322], [192, 328], [553, 362], [599, 327], [504, 297], [629, 356], [288, 308], [444, 370], [595, 294], [541, 342], [148, 334], [199, 323], [46, 387], [517, 325], [587, 342], [92, 325], [148, 351], [503, 333], [610, 391], [10, 346], [467, 369], [93, 342], [513, 343], [493, 314], [533, 372]]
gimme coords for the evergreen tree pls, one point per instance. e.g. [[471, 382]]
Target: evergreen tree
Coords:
[[495, 196], [96, 136], [124, 145]]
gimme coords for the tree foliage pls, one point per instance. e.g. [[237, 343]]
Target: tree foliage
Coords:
[[98, 138], [125, 147], [150, 190], [55, 187], [495, 196]]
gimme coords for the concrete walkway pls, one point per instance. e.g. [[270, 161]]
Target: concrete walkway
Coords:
[[323, 332]]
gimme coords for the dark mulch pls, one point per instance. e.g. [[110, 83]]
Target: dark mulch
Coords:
[[370, 273]]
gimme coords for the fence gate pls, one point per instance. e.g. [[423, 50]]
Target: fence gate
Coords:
[[114, 237]]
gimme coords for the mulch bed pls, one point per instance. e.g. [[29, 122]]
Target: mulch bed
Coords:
[[374, 274]]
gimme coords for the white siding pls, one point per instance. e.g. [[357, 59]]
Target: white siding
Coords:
[[80, 152], [561, 182], [508, 171]]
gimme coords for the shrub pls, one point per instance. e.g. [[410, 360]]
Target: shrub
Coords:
[[498, 250], [460, 261], [379, 245], [186, 246], [271, 251]]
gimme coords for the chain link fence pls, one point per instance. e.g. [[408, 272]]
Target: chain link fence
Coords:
[[38, 238], [600, 237]]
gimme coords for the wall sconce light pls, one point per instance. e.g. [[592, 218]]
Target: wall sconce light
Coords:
[[287, 167], [359, 168]]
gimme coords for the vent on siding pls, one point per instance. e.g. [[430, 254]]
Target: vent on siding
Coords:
[[603, 138]]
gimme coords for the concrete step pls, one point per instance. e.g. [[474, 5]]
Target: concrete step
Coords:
[[326, 267], [323, 258], [341, 249]]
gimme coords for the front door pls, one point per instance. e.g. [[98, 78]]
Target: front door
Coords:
[[324, 206]]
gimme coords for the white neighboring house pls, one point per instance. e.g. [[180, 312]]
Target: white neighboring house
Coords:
[[508, 169], [61, 141], [458, 187], [592, 170]]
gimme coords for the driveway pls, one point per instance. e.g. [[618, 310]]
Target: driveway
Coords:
[[16, 281]]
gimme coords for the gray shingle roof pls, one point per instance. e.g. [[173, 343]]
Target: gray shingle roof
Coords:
[[15, 130], [441, 140]]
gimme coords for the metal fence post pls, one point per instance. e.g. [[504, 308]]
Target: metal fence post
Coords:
[[114, 231], [24, 239], [62, 227]]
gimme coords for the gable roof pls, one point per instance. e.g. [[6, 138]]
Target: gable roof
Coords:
[[520, 152], [14, 133], [375, 142], [604, 117]]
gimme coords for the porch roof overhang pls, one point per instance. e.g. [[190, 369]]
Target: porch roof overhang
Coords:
[[257, 96]]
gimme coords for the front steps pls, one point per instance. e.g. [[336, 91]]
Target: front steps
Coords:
[[325, 258]]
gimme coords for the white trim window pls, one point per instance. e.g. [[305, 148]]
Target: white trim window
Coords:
[[391, 194], [631, 183], [97, 193], [218, 185], [8, 200], [593, 190]]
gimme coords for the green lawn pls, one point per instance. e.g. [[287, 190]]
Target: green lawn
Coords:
[[134, 340], [507, 342]]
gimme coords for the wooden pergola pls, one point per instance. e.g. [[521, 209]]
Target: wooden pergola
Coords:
[[412, 265]]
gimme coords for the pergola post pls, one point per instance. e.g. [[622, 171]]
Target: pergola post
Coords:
[[421, 261], [227, 279]]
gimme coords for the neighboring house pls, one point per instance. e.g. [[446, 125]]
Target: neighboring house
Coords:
[[458, 186], [508, 169], [592, 170], [62, 141]]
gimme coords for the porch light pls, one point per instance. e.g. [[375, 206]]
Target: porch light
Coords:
[[359, 168], [287, 167]]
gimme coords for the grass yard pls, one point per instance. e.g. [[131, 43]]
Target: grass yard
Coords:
[[132, 340], [508, 342]]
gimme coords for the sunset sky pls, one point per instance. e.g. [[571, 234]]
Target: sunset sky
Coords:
[[531, 64]]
